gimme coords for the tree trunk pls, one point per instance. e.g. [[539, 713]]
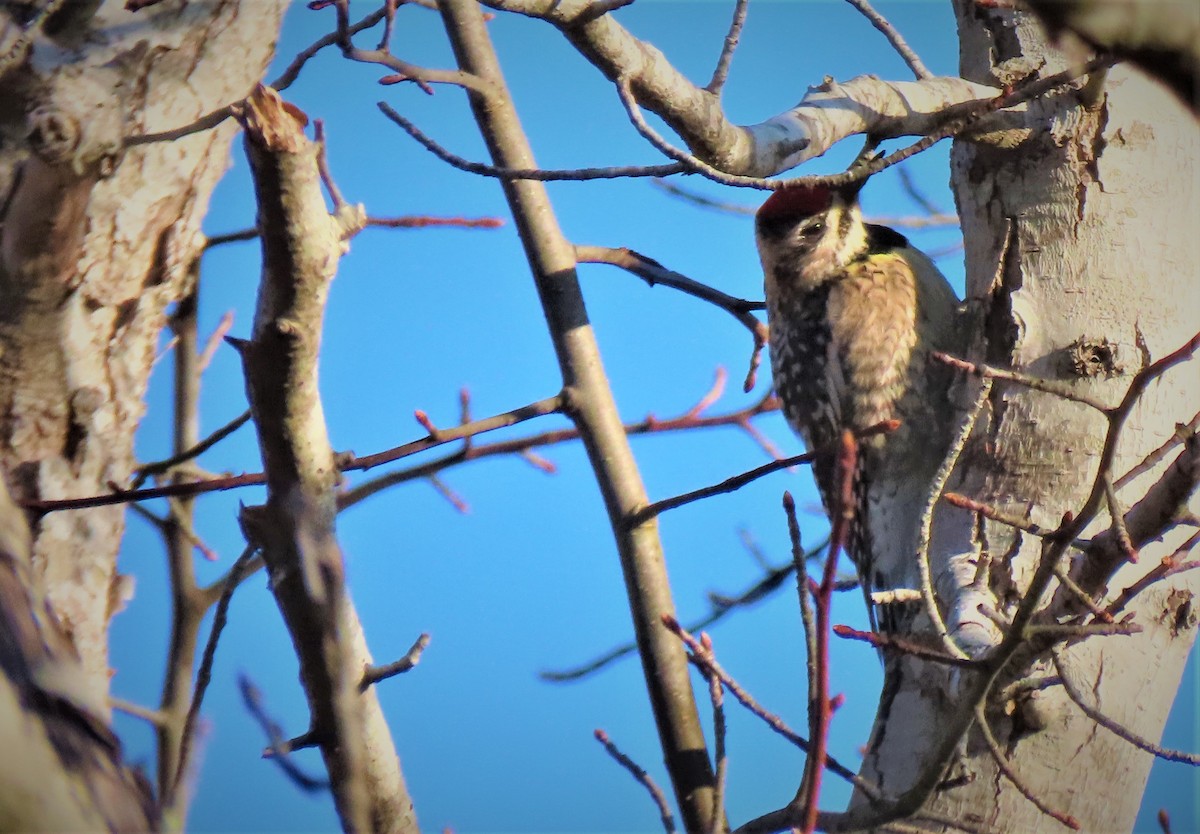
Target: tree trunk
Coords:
[[1081, 258], [97, 242]]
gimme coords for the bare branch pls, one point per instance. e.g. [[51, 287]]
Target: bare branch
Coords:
[[692, 162], [1076, 695], [716, 696], [739, 481], [1168, 566], [722, 604], [148, 470], [1006, 768], [301, 244], [642, 778], [1053, 387], [537, 174], [653, 273], [898, 43], [935, 493], [590, 405], [1181, 434], [890, 642], [403, 69], [153, 717], [721, 72], [252, 698], [374, 674], [239, 569]]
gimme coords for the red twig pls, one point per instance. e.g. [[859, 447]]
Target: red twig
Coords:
[[882, 641], [819, 705], [713, 394], [427, 424]]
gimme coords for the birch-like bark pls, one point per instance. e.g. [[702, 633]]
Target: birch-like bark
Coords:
[[1162, 38], [1080, 252], [828, 113]]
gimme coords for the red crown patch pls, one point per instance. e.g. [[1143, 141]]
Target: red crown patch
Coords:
[[796, 201]]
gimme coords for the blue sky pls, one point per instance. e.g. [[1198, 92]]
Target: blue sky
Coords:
[[528, 580]]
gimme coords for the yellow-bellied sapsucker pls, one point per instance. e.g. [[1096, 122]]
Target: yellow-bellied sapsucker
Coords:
[[854, 312]]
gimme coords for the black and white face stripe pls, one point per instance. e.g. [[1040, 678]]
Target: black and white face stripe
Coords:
[[802, 253]]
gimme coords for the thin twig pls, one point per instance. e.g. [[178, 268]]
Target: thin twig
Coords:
[[543, 174], [160, 467], [215, 340], [955, 499], [1117, 515], [331, 186], [153, 717], [402, 70], [1064, 631], [1093, 607], [721, 72], [642, 778], [652, 272], [716, 696], [411, 658], [687, 160], [1168, 566], [549, 405], [411, 221], [707, 661], [820, 707], [898, 43], [293, 69], [917, 196], [252, 698], [935, 492], [739, 481], [1053, 387], [722, 605], [1006, 768], [204, 672], [1181, 434], [933, 218], [1076, 694], [891, 642]]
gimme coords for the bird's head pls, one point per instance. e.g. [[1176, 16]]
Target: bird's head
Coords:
[[808, 234]]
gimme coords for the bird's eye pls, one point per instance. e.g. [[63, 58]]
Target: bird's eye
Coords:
[[813, 229]]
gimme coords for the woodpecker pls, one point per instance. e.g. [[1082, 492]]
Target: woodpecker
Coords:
[[854, 312]]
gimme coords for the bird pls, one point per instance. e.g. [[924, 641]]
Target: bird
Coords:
[[854, 313]]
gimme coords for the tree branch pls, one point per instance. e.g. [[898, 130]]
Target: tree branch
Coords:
[[590, 405], [295, 529]]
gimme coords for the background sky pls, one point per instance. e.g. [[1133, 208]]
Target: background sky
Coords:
[[528, 579]]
